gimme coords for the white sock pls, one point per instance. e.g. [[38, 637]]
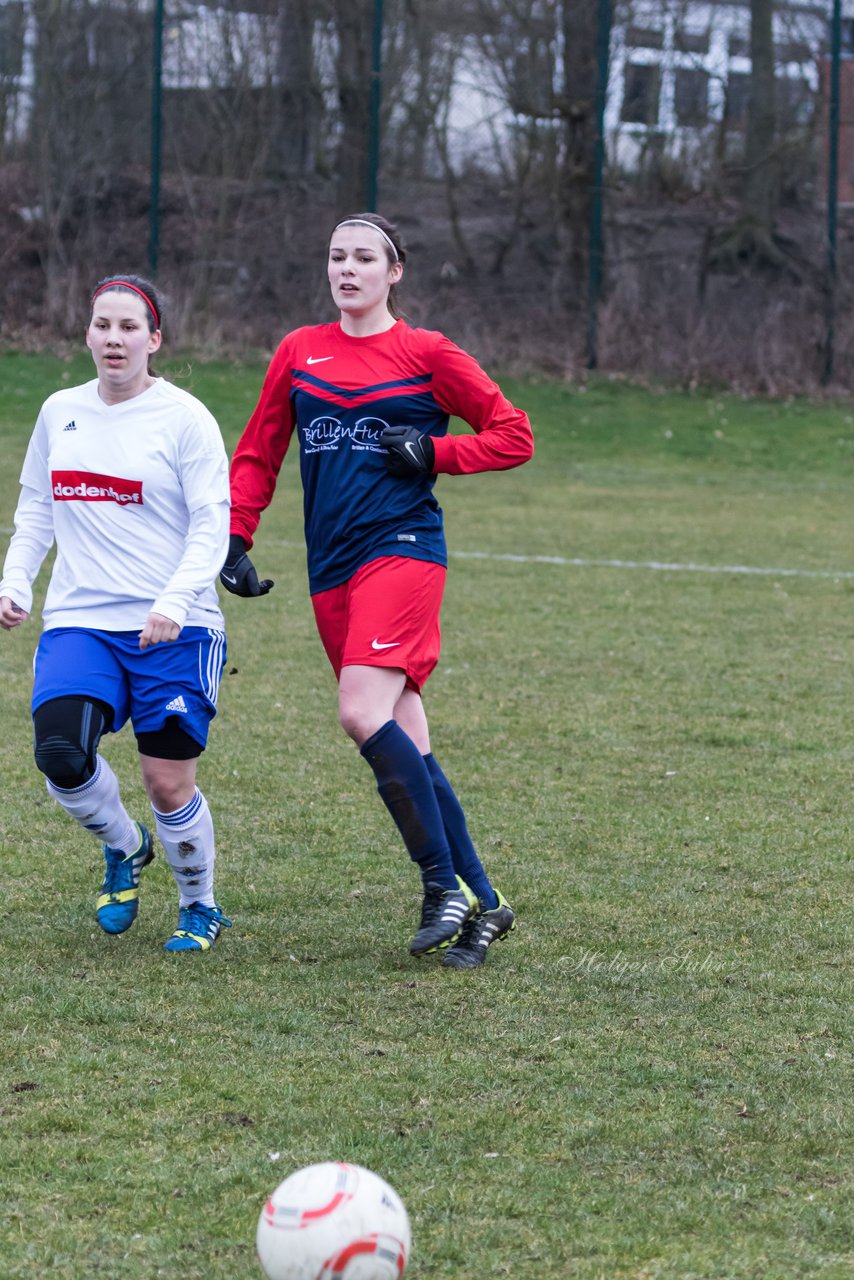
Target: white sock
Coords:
[[98, 808], [187, 836]]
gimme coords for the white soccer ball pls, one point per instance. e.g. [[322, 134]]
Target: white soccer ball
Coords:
[[333, 1221]]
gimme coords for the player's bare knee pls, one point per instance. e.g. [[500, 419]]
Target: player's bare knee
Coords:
[[352, 722], [166, 797], [168, 760]]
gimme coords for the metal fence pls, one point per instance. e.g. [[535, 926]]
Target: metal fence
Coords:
[[557, 217]]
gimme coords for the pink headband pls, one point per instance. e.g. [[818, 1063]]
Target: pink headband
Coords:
[[123, 284]]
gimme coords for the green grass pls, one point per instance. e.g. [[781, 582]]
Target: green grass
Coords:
[[652, 1079]]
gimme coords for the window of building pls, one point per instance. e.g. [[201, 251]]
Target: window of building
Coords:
[[691, 42], [795, 102], [531, 78], [792, 51], [11, 40], [644, 37], [691, 96], [641, 92], [737, 99]]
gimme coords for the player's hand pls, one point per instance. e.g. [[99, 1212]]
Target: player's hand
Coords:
[[11, 615], [410, 452], [158, 630], [238, 574]]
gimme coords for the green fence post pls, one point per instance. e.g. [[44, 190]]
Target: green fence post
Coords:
[[376, 95], [156, 135], [594, 287], [832, 187]]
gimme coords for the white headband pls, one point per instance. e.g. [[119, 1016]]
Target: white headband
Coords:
[[363, 222]]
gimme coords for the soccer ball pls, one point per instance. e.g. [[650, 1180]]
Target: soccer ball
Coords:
[[333, 1221]]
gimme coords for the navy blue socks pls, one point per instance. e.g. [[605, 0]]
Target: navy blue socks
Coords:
[[467, 864], [407, 790]]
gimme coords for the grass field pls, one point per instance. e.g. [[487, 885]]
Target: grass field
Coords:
[[651, 1080]]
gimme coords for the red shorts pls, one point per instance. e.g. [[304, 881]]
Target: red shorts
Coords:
[[386, 615]]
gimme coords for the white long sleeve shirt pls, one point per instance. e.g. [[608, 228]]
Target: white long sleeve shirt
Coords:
[[136, 497]]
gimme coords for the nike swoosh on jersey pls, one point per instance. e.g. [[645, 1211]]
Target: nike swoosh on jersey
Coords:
[[375, 644], [317, 359]]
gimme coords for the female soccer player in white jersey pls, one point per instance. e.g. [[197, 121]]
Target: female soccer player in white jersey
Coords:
[[128, 475], [369, 399]]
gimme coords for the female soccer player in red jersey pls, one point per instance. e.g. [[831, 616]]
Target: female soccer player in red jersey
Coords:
[[128, 475], [369, 398]]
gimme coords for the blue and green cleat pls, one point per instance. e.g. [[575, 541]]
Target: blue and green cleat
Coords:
[[198, 928], [118, 902]]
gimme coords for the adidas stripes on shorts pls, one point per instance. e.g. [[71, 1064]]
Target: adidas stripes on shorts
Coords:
[[148, 687]]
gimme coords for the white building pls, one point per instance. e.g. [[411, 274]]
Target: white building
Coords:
[[679, 69]]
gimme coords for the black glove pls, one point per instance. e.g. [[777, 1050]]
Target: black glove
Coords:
[[238, 574], [410, 453]]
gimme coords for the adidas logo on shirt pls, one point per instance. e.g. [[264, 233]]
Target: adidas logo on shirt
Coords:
[[177, 704], [70, 426]]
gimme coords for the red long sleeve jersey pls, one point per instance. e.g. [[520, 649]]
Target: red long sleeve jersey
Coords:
[[339, 392]]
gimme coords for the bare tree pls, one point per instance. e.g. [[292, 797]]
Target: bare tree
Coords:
[[577, 110], [90, 80], [419, 59], [753, 239], [487, 147], [295, 119], [543, 55], [12, 59], [354, 27]]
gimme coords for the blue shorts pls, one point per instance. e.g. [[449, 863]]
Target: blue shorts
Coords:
[[146, 686]]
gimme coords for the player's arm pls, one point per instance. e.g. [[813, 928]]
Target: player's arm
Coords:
[[204, 550], [255, 469], [503, 436], [31, 541], [261, 449], [204, 482]]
